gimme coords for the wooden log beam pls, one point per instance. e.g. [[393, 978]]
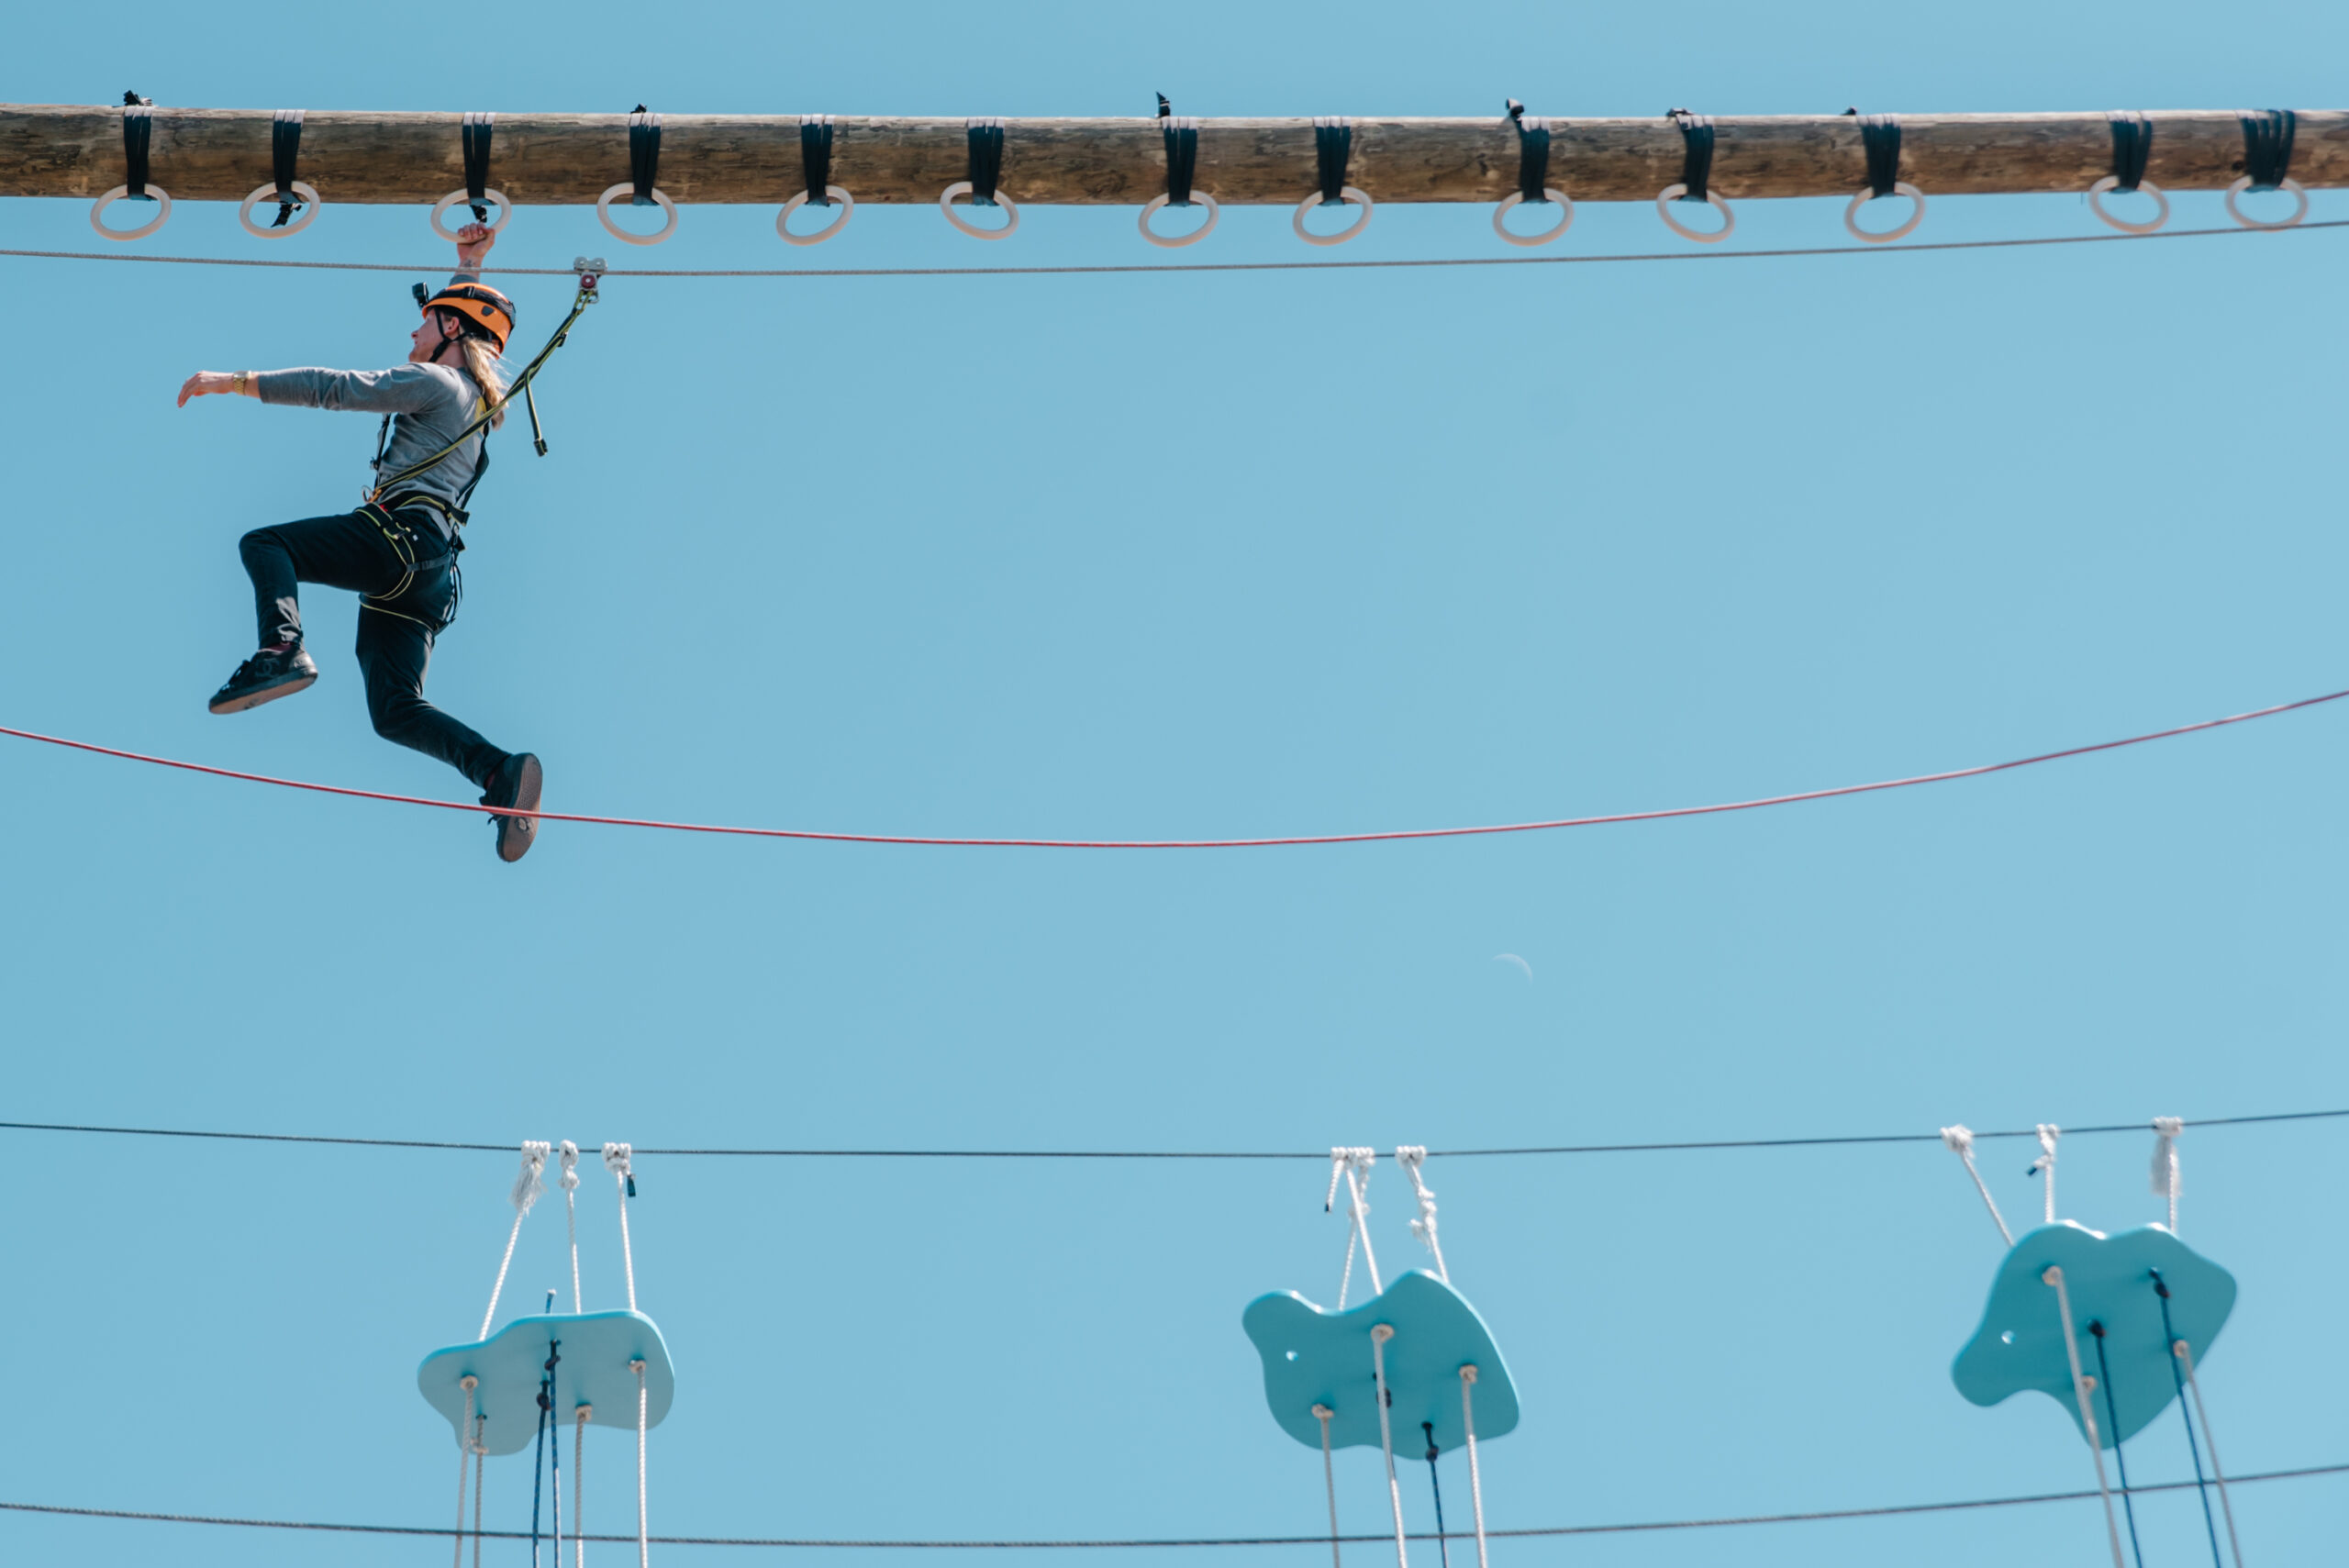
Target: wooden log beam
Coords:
[[371, 157]]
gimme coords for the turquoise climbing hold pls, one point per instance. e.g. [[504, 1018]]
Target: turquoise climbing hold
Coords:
[[1316, 1356], [2110, 1280], [595, 1348]]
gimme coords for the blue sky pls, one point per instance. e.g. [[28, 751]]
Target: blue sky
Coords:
[[1169, 556]]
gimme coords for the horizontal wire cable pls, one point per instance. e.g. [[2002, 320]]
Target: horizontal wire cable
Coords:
[[1307, 266], [1318, 1154], [1388, 836], [1646, 1527]]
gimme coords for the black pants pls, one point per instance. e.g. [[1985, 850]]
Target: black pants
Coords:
[[407, 576]]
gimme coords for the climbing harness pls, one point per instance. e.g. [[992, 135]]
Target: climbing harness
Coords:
[[2135, 1303], [519, 1387], [401, 538], [387, 489], [1421, 1340]]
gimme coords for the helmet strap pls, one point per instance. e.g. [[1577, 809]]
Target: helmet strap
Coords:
[[451, 336]]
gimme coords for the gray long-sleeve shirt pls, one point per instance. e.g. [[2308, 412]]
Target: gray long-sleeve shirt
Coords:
[[427, 405]]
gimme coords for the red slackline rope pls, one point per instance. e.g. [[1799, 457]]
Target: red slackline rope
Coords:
[[806, 833]]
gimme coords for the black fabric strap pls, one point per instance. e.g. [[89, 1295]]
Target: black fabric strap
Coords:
[[1880, 138], [816, 156], [986, 158], [138, 127], [2133, 144], [284, 151], [479, 125], [1182, 152], [1532, 152], [1333, 148], [2267, 145], [644, 153], [1697, 153]]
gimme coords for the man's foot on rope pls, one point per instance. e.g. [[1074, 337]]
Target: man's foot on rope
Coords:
[[517, 784], [274, 673]]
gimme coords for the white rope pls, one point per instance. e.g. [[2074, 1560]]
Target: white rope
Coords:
[[1476, 1480], [481, 1454], [1960, 1142], [2045, 1164], [2184, 1353], [643, 1544], [1411, 1157], [464, 1448], [570, 1152], [579, 1488], [1379, 1334], [615, 1161], [1330, 1480], [555, 1442], [527, 1190], [2081, 1383], [1353, 1166], [2166, 1175]]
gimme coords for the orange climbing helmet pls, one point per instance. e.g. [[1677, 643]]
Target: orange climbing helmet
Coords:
[[482, 310]]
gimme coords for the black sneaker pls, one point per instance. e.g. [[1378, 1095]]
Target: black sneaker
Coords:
[[517, 783], [269, 675]]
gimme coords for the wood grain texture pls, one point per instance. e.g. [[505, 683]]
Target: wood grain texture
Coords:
[[546, 160]]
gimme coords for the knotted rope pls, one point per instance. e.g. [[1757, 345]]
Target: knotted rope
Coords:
[[527, 1190], [2166, 1174], [1411, 1157], [1353, 1166], [1960, 1142]]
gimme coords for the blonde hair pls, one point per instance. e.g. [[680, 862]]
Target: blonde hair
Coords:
[[481, 359]]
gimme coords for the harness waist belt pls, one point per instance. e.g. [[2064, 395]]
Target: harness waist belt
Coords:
[[408, 499]]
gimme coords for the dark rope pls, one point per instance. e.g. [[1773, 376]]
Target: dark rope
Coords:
[[284, 150], [2133, 144], [137, 128], [2177, 1379], [1880, 137], [1444, 1548], [2113, 1414], [1697, 153], [479, 125], [1182, 151], [985, 136], [1532, 153], [539, 1466], [816, 156], [2267, 145], [1333, 148], [644, 153], [555, 1444]]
